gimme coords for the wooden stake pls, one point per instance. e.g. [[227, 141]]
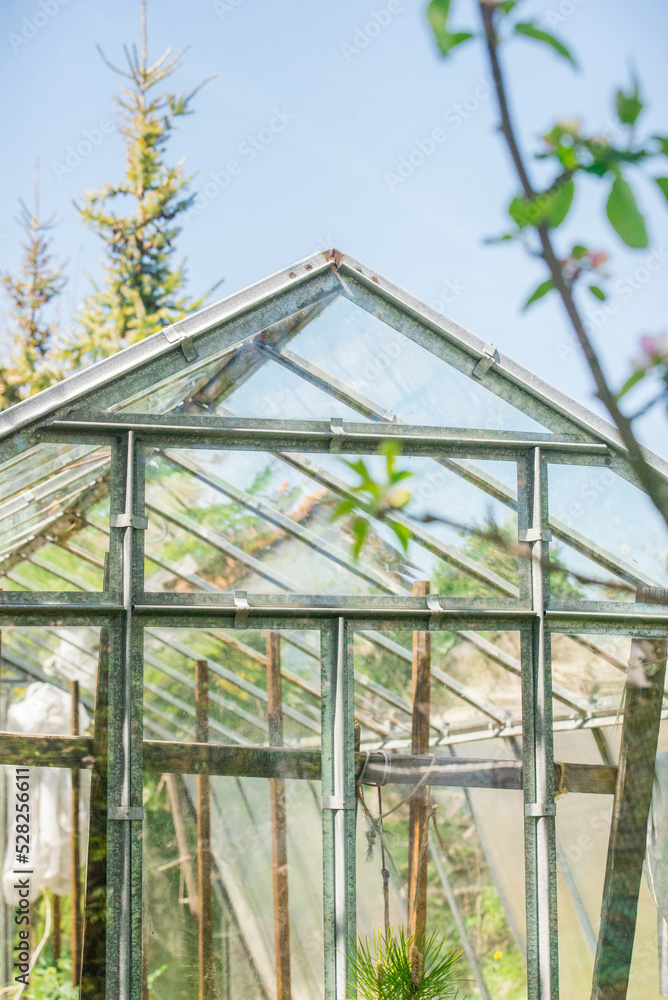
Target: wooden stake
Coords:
[[643, 698], [278, 822], [418, 824], [77, 920], [56, 928], [174, 783], [206, 963]]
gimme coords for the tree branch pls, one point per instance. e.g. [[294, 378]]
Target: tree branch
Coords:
[[651, 480]]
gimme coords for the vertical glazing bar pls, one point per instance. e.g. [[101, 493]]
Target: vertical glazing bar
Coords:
[[75, 846], [338, 805], [538, 754], [124, 803]]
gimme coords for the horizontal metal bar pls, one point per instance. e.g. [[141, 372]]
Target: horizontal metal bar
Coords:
[[234, 432]]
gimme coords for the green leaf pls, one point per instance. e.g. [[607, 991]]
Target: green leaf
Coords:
[[360, 531], [597, 292], [624, 215], [345, 507], [578, 252], [531, 30], [560, 202], [550, 206], [403, 533], [437, 13], [663, 184], [632, 380], [663, 143], [629, 105], [542, 290]]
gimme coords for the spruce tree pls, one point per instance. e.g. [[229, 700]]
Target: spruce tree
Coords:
[[33, 329], [142, 289]]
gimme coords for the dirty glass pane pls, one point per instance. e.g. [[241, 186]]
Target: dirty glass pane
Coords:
[[38, 666], [40, 491], [265, 523], [396, 374], [246, 913], [241, 665], [475, 688], [620, 524], [471, 698]]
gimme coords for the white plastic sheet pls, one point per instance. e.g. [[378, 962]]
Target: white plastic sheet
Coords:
[[45, 709]]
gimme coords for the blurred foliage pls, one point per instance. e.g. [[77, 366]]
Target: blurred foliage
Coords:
[[613, 156], [33, 331]]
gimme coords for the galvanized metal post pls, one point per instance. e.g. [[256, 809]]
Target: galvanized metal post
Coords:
[[338, 806], [205, 943], [75, 933], [537, 746], [418, 823], [124, 793]]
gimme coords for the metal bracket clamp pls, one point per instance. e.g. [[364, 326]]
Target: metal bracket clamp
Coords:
[[535, 535], [538, 809], [489, 356], [436, 608], [336, 427], [175, 334], [189, 349], [129, 521], [125, 812], [243, 609], [337, 802]]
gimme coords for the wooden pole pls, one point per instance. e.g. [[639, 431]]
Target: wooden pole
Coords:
[[643, 698], [174, 783], [418, 824], [57, 940], [77, 920], [206, 963], [278, 822]]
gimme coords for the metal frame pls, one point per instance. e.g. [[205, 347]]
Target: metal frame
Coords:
[[242, 332]]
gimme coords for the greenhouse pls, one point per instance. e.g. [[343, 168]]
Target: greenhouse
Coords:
[[260, 717]]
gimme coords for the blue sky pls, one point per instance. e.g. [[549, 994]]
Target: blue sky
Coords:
[[328, 119]]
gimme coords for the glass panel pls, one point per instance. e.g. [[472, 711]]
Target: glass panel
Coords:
[[472, 695], [244, 832], [166, 395], [238, 664], [583, 825], [36, 839], [467, 905], [398, 375], [36, 496], [617, 518], [38, 665], [588, 673], [250, 520]]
